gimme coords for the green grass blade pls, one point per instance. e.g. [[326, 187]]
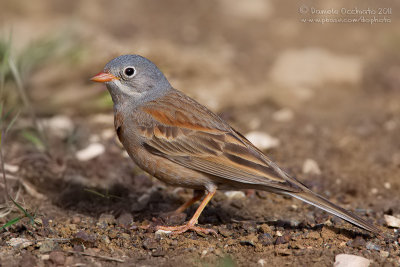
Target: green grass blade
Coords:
[[11, 222], [33, 139], [11, 123], [24, 211]]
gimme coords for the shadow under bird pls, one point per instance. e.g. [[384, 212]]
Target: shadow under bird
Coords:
[[182, 143]]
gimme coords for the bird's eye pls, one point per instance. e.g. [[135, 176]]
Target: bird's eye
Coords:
[[129, 71]]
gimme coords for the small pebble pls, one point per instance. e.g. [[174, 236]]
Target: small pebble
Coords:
[[19, 242], [310, 166], [47, 246], [347, 260], [57, 257], [75, 219], [283, 115], [125, 220], [314, 235], [262, 140], [282, 239], [44, 257], [107, 218], [392, 221], [357, 242], [224, 232], [265, 239], [248, 240], [261, 262], [11, 168], [150, 243], [372, 246], [265, 228], [234, 194], [60, 126], [250, 226], [387, 185], [90, 152], [162, 232], [85, 236], [384, 254], [159, 252]]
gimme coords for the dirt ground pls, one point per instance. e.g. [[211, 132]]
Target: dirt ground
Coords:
[[330, 93]]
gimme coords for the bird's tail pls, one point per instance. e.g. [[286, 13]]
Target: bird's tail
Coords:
[[322, 203]]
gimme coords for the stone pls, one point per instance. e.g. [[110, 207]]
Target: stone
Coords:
[[348, 260], [262, 140], [310, 166], [392, 221], [57, 257], [90, 152]]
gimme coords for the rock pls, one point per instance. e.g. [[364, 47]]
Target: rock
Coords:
[[57, 257], [261, 262], [162, 232], [347, 260], [266, 239], [250, 226], [392, 221], [19, 242], [107, 218], [310, 166], [224, 232], [387, 185], [159, 252], [265, 228], [314, 235], [357, 242], [60, 126], [150, 244], [234, 194], [282, 239], [249, 240], [82, 235], [125, 220], [372, 246], [11, 168], [283, 115], [75, 219], [314, 67], [27, 260], [172, 218], [384, 254], [262, 140], [47, 246], [90, 152]]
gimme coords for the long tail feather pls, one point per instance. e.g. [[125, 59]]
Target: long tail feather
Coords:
[[322, 203]]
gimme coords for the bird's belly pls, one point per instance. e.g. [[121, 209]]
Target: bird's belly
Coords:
[[170, 172]]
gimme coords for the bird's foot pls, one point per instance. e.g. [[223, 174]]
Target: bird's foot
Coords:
[[175, 230]]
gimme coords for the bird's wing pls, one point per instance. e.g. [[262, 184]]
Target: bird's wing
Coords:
[[188, 134]]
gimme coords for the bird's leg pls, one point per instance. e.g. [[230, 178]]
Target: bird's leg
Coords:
[[197, 195], [190, 225]]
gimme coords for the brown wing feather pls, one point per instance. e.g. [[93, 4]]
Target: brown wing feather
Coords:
[[187, 133]]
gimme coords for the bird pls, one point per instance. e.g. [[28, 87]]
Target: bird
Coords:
[[182, 143]]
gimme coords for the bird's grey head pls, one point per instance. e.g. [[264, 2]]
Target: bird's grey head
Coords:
[[133, 78]]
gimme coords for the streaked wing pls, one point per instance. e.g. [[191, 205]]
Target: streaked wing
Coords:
[[187, 133]]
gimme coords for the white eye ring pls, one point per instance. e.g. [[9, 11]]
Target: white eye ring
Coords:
[[130, 72]]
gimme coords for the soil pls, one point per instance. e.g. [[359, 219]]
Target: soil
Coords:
[[101, 212]]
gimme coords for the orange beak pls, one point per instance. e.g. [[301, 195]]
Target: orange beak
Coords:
[[103, 77]]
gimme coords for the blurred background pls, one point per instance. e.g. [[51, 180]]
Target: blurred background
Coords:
[[320, 95]]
